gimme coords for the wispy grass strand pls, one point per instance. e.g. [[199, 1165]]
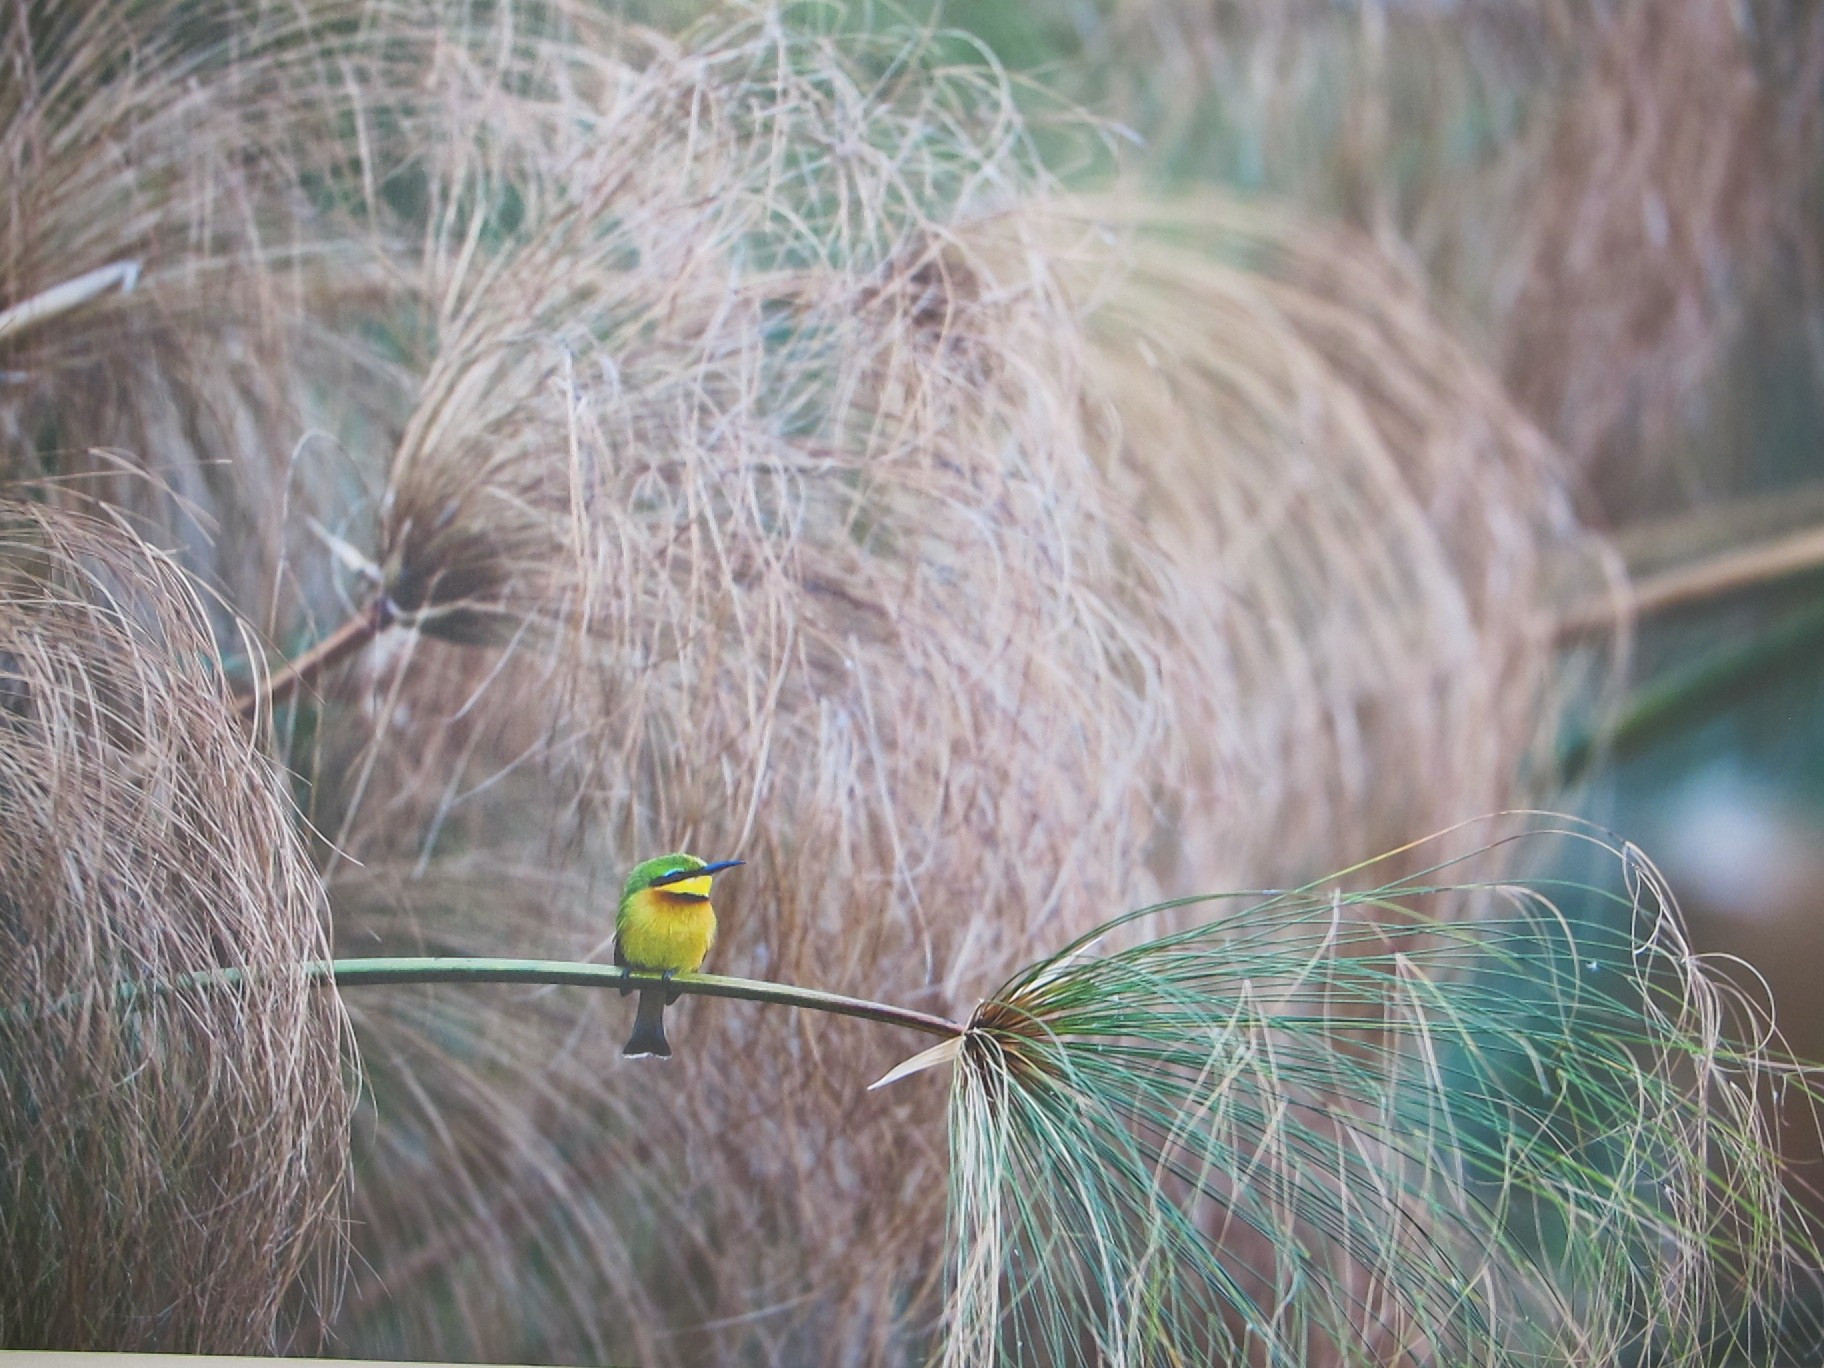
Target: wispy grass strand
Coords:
[[1363, 1127]]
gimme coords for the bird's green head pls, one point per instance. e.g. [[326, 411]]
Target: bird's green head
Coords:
[[683, 875]]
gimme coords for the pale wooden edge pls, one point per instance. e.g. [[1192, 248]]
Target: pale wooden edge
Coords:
[[64, 1358]]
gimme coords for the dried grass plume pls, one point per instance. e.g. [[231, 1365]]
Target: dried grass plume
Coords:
[[172, 1165]]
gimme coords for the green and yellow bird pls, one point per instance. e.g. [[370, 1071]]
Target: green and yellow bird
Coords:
[[666, 924]]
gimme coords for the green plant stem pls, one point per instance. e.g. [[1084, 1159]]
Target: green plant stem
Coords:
[[350, 973], [1680, 695]]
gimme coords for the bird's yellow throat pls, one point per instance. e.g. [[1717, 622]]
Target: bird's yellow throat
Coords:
[[690, 888], [668, 928]]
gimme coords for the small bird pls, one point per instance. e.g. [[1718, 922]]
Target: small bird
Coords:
[[665, 923]]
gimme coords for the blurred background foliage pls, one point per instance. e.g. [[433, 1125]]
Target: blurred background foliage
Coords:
[[1621, 205], [988, 465]]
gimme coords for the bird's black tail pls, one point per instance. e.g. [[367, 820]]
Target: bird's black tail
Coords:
[[648, 1036]]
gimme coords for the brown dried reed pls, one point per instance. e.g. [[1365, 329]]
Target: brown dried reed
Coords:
[[1602, 187], [172, 1166], [1676, 180], [175, 138], [1365, 516]]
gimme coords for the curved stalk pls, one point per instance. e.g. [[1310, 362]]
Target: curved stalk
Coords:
[[579, 973], [367, 623], [463, 970], [71, 294], [1795, 553]]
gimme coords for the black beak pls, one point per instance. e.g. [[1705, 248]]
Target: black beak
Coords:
[[680, 875]]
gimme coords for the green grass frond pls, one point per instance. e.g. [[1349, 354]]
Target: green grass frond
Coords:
[[1454, 1119]]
